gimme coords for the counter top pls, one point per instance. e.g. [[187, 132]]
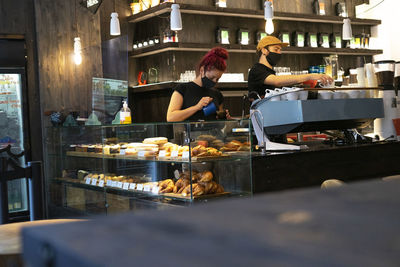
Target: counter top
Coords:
[[169, 85], [287, 170]]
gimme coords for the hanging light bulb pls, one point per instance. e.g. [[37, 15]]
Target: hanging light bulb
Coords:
[[114, 24], [347, 32], [269, 26], [77, 51], [268, 15], [176, 19]]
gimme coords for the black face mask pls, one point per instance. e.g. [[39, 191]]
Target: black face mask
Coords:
[[207, 83], [273, 58]]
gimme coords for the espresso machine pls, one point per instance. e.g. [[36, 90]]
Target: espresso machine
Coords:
[[385, 72], [282, 117]]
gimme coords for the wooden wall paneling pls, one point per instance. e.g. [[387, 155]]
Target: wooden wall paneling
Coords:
[[13, 17], [65, 86], [151, 106]]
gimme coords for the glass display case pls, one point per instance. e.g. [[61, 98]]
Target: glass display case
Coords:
[[106, 169]]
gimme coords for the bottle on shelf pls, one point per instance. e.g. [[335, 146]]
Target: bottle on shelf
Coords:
[[125, 114]]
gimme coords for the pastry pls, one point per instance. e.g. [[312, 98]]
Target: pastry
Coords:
[[206, 177], [220, 189], [131, 152], [207, 187], [106, 150], [166, 186], [115, 149], [98, 148], [198, 190], [180, 185], [155, 140]]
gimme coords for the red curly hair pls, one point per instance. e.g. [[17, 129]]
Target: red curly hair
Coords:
[[214, 59]]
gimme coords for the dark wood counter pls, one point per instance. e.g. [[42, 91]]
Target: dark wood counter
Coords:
[[311, 167]]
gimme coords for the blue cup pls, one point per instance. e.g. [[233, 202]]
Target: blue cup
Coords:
[[209, 109]]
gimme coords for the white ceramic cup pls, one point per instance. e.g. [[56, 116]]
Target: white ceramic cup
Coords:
[[291, 96], [279, 90], [325, 95], [353, 93], [303, 95], [269, 93], [338, 95]]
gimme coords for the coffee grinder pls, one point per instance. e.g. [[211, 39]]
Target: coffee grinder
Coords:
[[384, 71]]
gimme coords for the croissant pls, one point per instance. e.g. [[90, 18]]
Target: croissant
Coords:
[[166, 186], [206, 177], [214, 188], [220, 189], [198, 190], [180, 185], [168, 189], [186, 191], [207, 187]]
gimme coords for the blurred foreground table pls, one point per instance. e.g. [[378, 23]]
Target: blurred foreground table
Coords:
[[10, 240], [353, 225]]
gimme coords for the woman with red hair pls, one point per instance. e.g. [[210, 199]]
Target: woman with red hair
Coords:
[[189, 99]]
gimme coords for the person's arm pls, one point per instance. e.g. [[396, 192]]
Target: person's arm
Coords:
[[287, 80], [174, 109]]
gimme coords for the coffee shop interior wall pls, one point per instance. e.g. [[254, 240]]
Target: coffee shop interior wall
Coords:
[[200, 29], [386, 35], [65, 86]]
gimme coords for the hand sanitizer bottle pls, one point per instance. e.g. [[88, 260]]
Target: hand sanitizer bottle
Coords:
[[125, 114]]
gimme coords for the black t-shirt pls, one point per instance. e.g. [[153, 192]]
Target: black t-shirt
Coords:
[[192, 93], [257, 75]]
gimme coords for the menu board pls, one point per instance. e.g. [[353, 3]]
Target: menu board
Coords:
[[107, 97]]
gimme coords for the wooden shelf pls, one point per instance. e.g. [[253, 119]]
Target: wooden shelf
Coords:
[[235, 48], [245, 13]]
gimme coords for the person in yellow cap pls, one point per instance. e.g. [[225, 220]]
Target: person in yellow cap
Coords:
[[262, 76]]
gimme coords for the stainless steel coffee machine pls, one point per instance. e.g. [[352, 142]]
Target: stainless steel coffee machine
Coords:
[[282, 117]]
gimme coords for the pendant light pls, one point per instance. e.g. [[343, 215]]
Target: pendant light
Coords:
[[114, 23], [77, 51], [77, 42], [176, 19], [347, 32], [268, 15]]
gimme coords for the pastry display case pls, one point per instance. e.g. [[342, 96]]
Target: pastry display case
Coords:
[[106, 169]]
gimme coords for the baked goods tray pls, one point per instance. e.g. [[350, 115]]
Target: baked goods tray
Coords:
[[195, 197], [118, 156], [81, 183]]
